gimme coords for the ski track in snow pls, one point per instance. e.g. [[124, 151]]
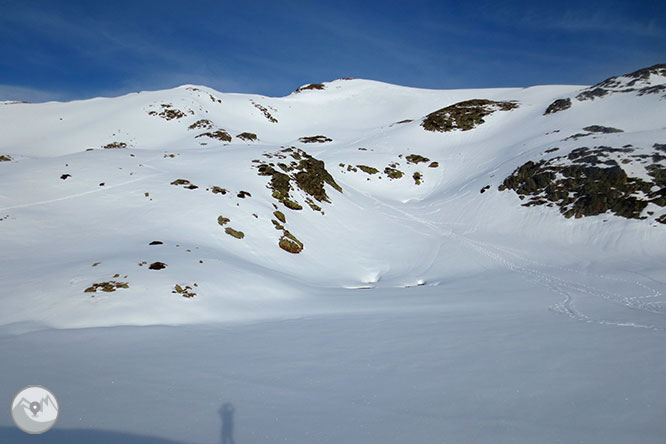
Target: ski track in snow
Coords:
[[85, 193], [565, 287]]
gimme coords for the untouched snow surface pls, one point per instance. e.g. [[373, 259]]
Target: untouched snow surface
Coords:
[[424, 313]]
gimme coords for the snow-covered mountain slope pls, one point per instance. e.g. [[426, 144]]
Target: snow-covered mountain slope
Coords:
[[190, 205]]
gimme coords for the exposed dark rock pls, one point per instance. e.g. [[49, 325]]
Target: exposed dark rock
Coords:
[[315, 139], [602, 129], [416, 159], [393, 173], [184, 291], [186, 183], [234, 233], [265, 112], [219, 135], [306, 172], [218, 190], [115, 145], [368, 169], [107, 287], [316, 86], [558, 105], [249, 137], [638, 82], [289, 243], [587, 182], [464, 115], [201, 124]]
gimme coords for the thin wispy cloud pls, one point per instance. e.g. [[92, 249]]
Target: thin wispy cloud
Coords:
[[271, 48]]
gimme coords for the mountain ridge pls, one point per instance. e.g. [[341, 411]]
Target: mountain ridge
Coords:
[[189, 205]]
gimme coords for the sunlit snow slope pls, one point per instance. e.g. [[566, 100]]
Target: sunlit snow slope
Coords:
[[256, 228]]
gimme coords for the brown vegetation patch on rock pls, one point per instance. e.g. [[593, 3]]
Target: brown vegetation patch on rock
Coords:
[[279, 215], [464, 115], [304, 172], [185, 291], [107, 287], [393, 173], [115, 145], [311, 86], [315, 139], [234, 233], [265, 112], [169, 112], [368, 169], [416, 159], [248, 137], [218, 190], [590, 181], [219, 135], [186, 184], [201, 124], [289, 243]]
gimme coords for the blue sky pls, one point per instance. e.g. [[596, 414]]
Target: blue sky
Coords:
[[79, 49]]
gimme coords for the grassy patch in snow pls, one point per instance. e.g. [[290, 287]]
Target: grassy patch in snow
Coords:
[[248, 137], [416, 159], [115, 145], [311, 86], [464, 115], [304, 172], [315, 139], [264, 111], [289, 243], [183, 290], [169, 112], [393, 173], [219, 135], [234, 233], [186, 184], [107, 287], [368, 169], [279, 215], [218, 190], [201, 124]]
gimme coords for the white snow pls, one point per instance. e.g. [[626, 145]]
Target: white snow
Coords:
[[415, 313]]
